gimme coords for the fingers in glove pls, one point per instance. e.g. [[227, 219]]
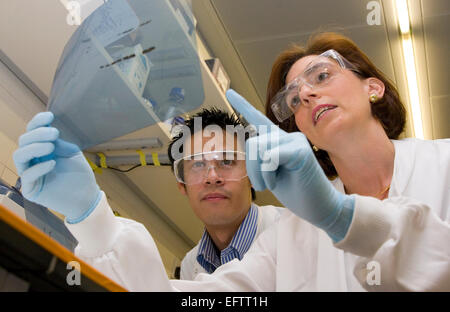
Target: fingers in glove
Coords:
[[253, 166], [270, 178], [65, 149], [262, 155], [287, 150], [24, 155], [33, 173], [41, 134], [274, 153], [250, 113], [40, 120]]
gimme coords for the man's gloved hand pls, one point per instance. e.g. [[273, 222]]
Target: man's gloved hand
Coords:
[[286, 165], [54, 173]]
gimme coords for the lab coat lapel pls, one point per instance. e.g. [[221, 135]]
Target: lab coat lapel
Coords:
[[404, 160]]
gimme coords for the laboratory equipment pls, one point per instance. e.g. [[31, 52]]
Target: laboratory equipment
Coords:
[[37, 215], [121, 68]]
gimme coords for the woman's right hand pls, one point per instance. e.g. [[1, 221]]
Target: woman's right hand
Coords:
[[54, 173], [285, 164]]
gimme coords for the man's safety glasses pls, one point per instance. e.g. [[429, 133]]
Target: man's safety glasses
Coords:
[[320, 72], [202, 167]]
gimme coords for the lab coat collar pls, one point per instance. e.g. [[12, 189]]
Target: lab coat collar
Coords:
[[404, 160]]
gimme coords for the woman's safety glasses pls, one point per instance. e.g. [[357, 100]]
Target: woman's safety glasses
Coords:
[[320, 72], [201, 167]]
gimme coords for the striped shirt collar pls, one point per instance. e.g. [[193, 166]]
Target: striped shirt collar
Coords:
[[207, 255]]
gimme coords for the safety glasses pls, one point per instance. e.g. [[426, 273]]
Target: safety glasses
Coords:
[[210, 166], [319, 73]]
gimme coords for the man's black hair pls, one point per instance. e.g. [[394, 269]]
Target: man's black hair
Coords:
[[211, 116]]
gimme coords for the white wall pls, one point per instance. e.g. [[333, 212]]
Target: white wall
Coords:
[[17, 106]]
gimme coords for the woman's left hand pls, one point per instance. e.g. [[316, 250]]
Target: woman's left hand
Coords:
[[285, 164]]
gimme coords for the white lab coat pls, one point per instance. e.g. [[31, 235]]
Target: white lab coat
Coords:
[[405, 238], [267, 215]]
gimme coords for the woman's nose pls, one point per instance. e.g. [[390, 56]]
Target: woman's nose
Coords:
[[305, 93]]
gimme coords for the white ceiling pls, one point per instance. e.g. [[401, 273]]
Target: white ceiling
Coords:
[[247, 35]]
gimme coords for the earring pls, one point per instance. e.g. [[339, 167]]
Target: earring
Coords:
[[315, 148], [373, 98]]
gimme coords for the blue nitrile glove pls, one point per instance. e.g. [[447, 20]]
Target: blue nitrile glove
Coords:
[[286, 165], [54, 173]]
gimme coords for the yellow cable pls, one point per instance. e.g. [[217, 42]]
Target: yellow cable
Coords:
[[142, 158], [94, 166], [102, 160], [155, 159]]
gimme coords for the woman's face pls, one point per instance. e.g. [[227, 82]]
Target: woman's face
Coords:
[[336, 109]]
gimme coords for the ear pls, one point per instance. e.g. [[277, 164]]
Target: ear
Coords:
[[182, 188], [374, 86]]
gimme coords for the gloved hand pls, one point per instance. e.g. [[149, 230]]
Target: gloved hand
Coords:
[[285, 164], [54, 173]]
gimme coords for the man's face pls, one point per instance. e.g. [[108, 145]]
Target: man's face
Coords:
[[216, 201]]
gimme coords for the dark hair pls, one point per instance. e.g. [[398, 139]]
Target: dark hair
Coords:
[[212, 116], [389, 110]]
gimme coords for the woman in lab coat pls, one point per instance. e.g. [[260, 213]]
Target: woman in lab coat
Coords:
[[391, 234]]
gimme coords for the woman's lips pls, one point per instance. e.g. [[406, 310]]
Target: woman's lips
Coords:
[[321, 110]]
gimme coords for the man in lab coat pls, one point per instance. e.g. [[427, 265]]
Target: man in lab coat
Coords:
[[218, 189], [223, 203]]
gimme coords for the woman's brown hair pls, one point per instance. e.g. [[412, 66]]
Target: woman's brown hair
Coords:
[[389, 110]]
